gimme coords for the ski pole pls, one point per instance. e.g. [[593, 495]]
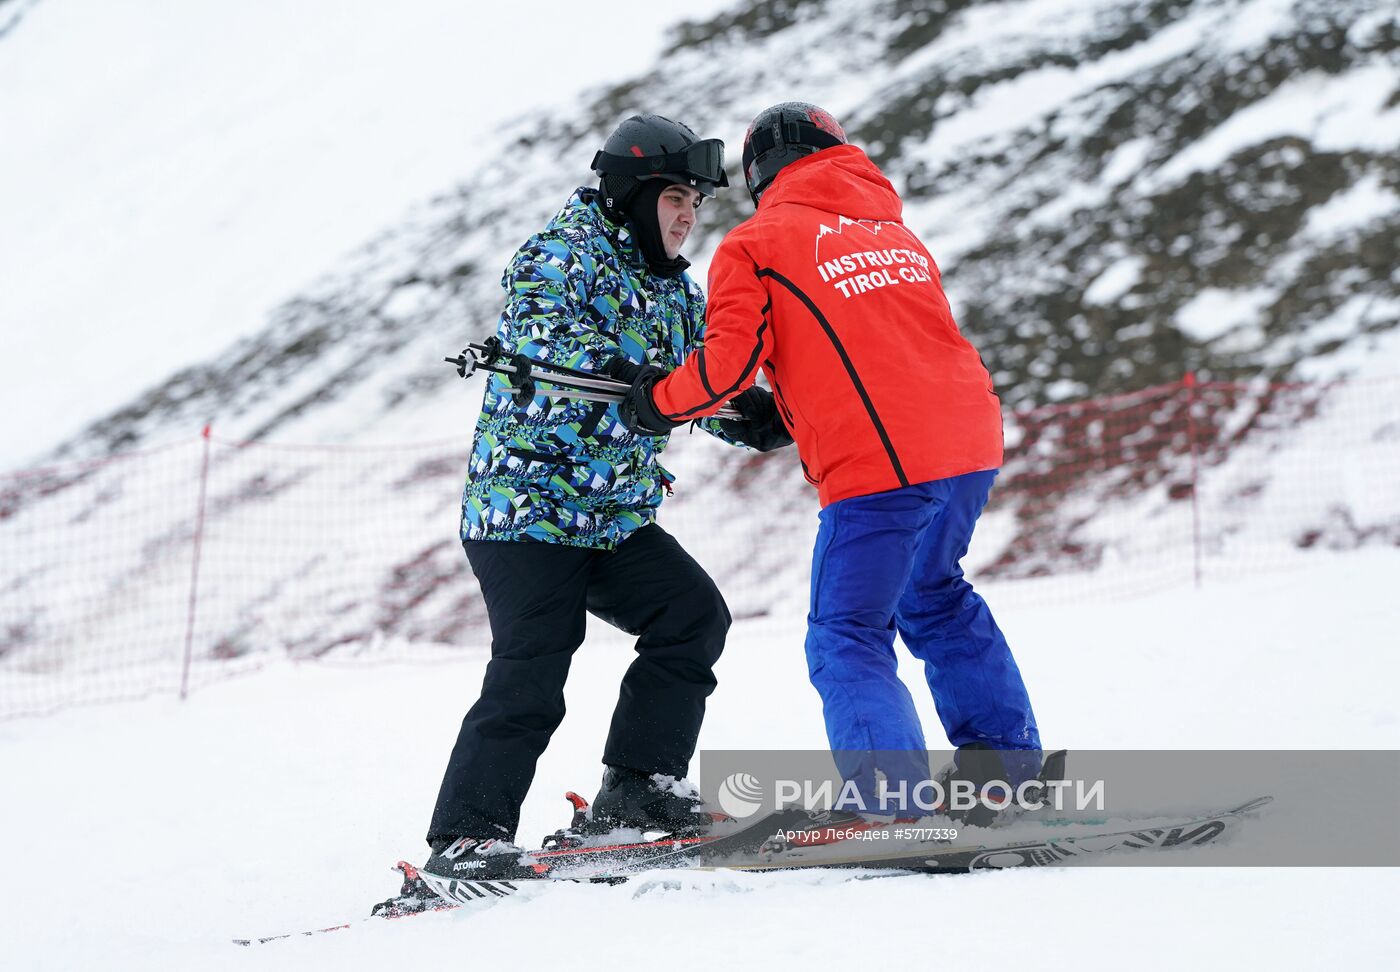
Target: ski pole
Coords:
[[567, 382], [492, 350]]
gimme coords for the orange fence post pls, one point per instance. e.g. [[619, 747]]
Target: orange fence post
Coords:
[[1188, 382], [194, 567]]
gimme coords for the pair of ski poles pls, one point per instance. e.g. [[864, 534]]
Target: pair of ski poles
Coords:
[[526, 375]]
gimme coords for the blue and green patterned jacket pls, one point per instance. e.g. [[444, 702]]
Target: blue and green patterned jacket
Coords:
[[563, 471]]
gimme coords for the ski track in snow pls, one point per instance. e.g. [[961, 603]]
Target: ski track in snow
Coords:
[[278, 801]]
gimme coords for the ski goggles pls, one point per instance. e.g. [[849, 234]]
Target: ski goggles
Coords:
[[699, 163]]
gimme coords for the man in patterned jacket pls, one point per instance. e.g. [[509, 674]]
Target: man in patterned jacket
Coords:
[[558, 516]]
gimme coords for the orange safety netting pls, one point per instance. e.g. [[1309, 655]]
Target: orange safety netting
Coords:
[[161, 570]]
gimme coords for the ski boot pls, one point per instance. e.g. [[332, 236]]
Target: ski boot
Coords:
[[649, 802], [978, 764], [478, 860]]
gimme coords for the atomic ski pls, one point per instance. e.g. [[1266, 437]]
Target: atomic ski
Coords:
[[414, 898], [760, 846]]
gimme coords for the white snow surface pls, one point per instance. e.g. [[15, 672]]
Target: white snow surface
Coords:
[[171, 172], [1362, 202], [1334, 113], [1116, 281], [149, 834], [1213, 311]]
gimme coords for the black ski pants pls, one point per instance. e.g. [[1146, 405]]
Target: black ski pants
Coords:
[[536, 597]]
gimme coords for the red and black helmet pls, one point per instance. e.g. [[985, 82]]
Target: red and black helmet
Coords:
[[781, 135], [652, 147]]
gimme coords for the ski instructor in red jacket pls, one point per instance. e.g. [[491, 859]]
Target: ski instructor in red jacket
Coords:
[[838, 303]]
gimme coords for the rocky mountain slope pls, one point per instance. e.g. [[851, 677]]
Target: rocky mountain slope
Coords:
[[1117, 192]]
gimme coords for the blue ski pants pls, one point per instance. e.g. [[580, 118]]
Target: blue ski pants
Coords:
[[891, 561]]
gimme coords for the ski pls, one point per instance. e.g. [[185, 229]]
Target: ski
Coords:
[[759, 846], [414, 898], [608, 863], [937, 858], [616, 861]]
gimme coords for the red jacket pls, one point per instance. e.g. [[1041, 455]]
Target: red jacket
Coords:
[[829, 293]]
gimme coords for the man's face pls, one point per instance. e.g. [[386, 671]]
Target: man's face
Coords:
[[675, 214]]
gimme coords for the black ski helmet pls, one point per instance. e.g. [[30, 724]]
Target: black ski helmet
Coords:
[[652, 147], [781, 135]]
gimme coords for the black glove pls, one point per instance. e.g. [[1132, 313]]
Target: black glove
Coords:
[[762, 427], [620, 368], [637, 410]]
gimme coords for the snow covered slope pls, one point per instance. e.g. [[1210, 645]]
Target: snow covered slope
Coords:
[[149, 834], [1117, 192]]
